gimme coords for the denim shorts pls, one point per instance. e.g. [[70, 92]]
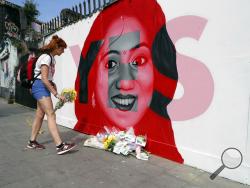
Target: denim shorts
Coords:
[[39, 90]]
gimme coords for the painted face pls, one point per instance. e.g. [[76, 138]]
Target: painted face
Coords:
[[124, 83]]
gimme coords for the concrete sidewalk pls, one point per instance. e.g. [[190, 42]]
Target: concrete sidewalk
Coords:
[[84, 167]]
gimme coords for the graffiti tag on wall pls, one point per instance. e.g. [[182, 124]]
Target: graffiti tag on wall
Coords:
[[11, 29]]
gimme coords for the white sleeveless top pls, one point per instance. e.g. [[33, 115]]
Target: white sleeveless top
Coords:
[[45, 59]]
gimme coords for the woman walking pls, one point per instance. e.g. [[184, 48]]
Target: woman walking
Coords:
[[41, 91]]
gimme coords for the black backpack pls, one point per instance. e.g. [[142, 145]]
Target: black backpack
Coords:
[[26, 72]]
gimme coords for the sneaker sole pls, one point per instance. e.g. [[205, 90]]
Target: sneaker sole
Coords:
[[29, 147], [65, 151]]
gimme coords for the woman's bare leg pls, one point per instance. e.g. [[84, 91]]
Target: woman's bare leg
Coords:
[[47, 106], [37, 124]]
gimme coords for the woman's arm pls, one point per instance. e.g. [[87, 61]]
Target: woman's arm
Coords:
[[47, 83]]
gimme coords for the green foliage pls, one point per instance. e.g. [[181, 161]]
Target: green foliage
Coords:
[[30, 11]]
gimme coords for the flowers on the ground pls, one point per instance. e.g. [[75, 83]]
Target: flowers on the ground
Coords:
[[110, 142], [70, 96], [119, 142]]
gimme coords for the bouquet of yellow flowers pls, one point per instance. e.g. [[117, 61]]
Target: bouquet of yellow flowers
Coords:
[[70, 96], [109, 142]]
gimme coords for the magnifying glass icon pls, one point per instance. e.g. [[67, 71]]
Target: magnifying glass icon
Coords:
[[231, 158]]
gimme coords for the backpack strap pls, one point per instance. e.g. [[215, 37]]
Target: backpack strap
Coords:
[[50, 57], [37, 75]]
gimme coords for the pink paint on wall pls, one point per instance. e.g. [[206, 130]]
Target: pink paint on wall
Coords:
[[194, 76], [75, 52]]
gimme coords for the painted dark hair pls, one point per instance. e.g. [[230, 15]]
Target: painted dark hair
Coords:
[[164, 59], [85, 65]]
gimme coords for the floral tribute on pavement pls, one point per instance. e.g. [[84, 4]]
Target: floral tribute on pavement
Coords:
[[119, 142]]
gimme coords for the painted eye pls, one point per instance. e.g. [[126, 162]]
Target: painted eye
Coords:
[[111, 64], [139, 61]]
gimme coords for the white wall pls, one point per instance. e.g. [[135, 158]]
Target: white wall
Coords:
[[217, 115], [223, 48]]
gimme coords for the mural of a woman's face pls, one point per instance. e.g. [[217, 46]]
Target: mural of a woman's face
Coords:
[[127, 75], [124, 82]]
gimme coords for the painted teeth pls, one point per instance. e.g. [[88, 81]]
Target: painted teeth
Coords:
[[123, 102]]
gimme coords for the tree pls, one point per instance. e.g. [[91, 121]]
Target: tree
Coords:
[[30, 11]]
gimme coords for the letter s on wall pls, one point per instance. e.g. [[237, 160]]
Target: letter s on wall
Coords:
[[194, 75]]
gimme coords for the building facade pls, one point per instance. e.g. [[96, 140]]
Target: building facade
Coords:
[[10, 20]]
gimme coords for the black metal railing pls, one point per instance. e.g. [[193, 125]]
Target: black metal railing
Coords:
[[78, 12]]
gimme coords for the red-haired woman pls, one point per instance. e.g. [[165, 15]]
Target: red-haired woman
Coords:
[[42, 88]]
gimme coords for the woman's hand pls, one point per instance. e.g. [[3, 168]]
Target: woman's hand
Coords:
[[61, 97]]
